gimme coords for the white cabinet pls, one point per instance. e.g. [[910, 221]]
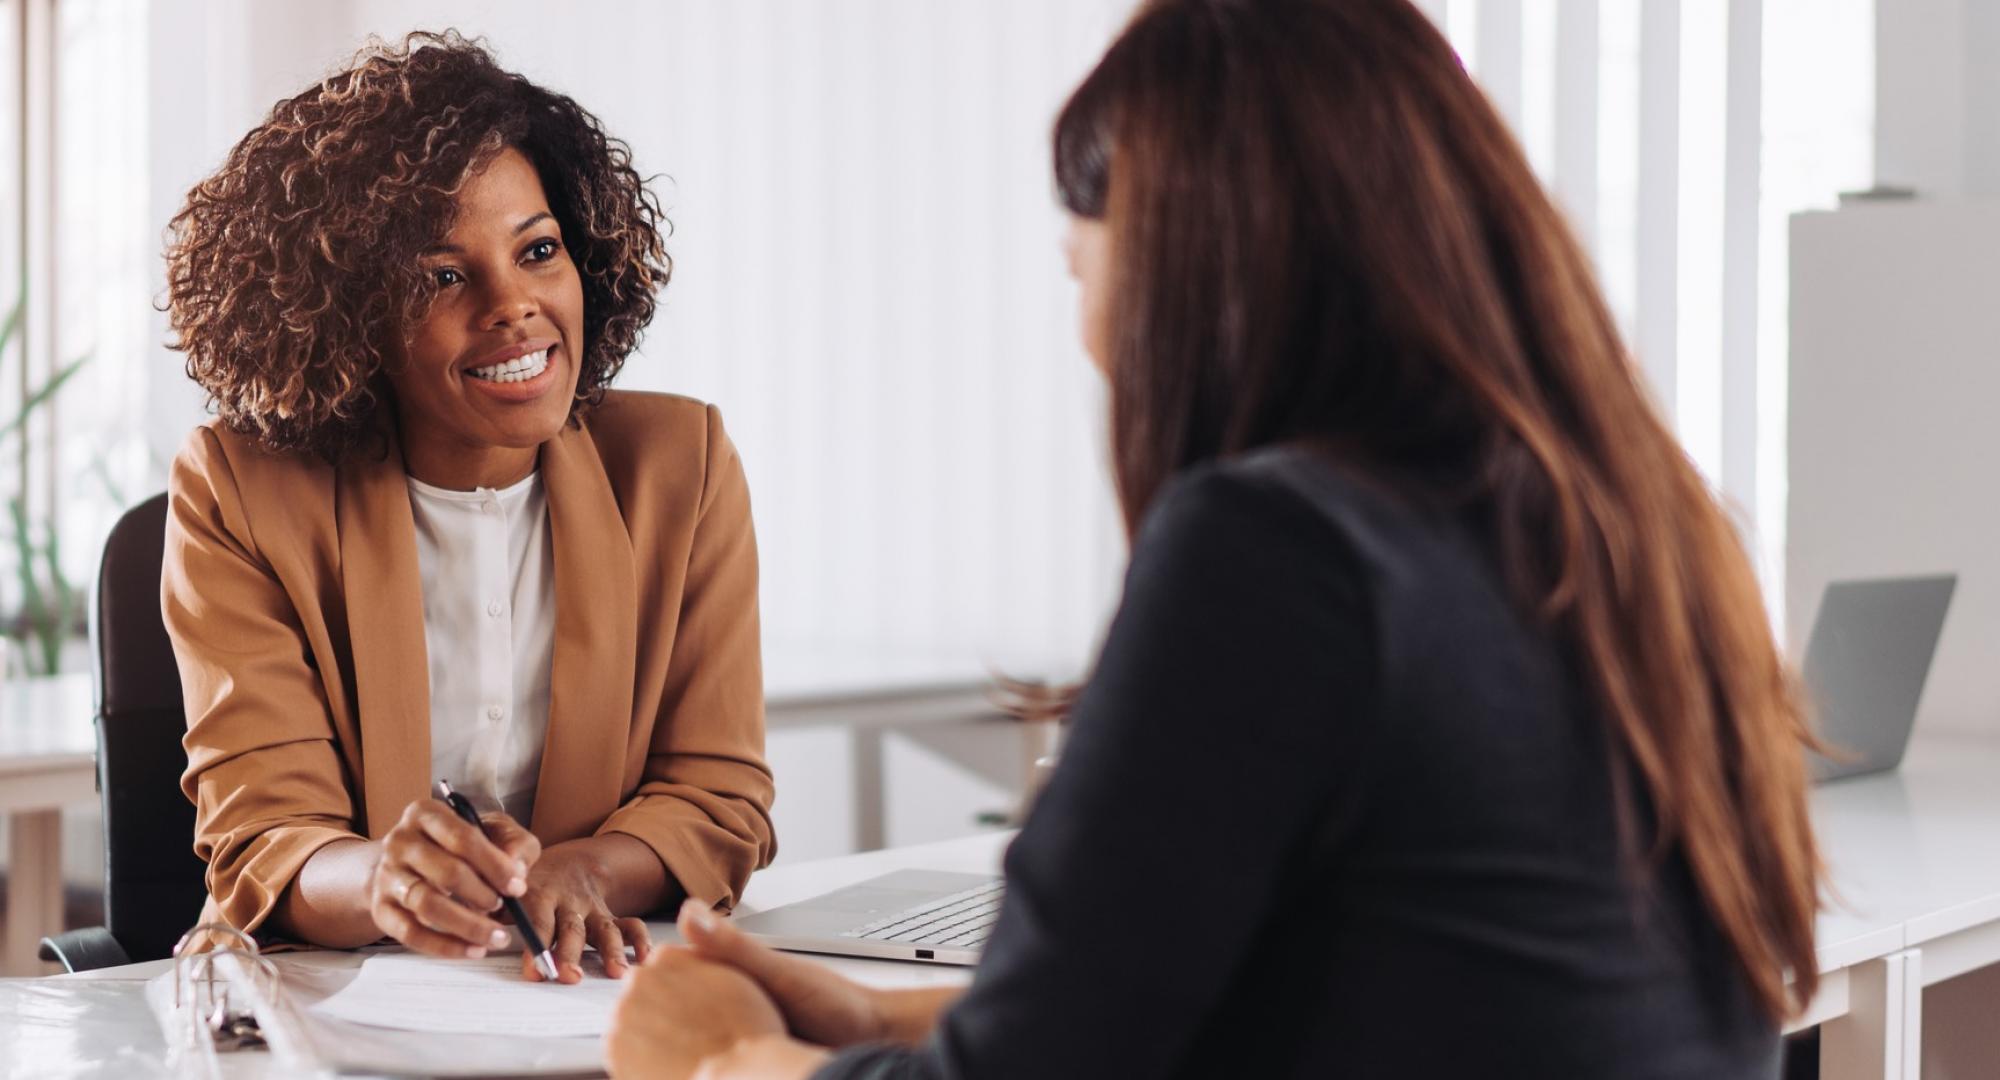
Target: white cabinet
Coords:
[[1894, 456]]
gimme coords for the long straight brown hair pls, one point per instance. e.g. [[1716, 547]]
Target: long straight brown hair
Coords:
[[1322, 232]]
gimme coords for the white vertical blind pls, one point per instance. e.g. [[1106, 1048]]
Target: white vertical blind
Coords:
[[103, 271], [38, 292], [1499, 53], [1461, 24], [13, 205], [1657, 242], [1697, 313], [1577, 58], [1656, 126], [75, 141], [1741, 256], [1617, 230], [1538, 84]]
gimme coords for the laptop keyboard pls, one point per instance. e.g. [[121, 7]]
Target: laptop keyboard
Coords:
[[959, 921]]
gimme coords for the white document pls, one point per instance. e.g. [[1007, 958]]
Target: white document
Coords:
[[472, 997]]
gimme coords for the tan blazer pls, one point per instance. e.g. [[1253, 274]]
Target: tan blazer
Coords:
[[291, 593]]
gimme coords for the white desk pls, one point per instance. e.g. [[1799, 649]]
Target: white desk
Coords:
[[1915, 857], [48, 760], [1914, 862], [96, 1023]]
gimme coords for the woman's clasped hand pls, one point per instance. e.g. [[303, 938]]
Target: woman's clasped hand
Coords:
[[723, 1003]]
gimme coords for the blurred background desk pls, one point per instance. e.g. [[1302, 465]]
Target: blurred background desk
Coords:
[[48, 760], [1910, 947], [870, 695]]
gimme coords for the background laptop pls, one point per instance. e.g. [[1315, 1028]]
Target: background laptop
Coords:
[[926, 915], [1866, 663]]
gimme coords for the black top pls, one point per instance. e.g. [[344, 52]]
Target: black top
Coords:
[[1333, 807]]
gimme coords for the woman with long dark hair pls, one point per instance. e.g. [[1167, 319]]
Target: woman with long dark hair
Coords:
[[1441, 731]]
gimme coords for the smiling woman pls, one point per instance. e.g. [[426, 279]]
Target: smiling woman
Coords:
[[423, 540]]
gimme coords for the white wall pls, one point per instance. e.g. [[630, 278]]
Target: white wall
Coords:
[[1936, 89], [1895, 424]]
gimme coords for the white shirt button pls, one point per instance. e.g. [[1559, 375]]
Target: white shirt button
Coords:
[[489, 507], [494, 608], [495, 712]]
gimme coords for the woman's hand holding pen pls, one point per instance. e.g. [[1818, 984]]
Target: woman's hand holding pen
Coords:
[[438, 883]]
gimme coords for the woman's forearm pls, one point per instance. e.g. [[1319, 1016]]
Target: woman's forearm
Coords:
[[327, 903], [630, 875]]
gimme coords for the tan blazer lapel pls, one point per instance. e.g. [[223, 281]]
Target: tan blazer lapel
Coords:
[[597, 634], [385, 617]]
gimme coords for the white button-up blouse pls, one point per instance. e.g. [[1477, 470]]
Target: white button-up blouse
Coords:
[[488, 576]]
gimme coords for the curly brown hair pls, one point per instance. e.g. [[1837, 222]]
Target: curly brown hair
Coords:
[[291, 266]]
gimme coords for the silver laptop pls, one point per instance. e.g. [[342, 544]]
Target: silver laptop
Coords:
[[1866, 663], [926, 915]]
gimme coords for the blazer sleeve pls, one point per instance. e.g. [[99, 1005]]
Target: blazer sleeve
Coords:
[[704, 799], [263, 770]]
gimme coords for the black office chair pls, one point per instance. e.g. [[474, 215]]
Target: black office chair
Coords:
[[153, 883]]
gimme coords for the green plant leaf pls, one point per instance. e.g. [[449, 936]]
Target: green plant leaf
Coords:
[[42, 395], [58, 619], [12, 325], [100, 470], [27, 620], [50, 608]]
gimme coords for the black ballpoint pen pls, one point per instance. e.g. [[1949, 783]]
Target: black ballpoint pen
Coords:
[[544, 963]]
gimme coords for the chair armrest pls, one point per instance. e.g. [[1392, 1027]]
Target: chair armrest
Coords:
[[87, 949]]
